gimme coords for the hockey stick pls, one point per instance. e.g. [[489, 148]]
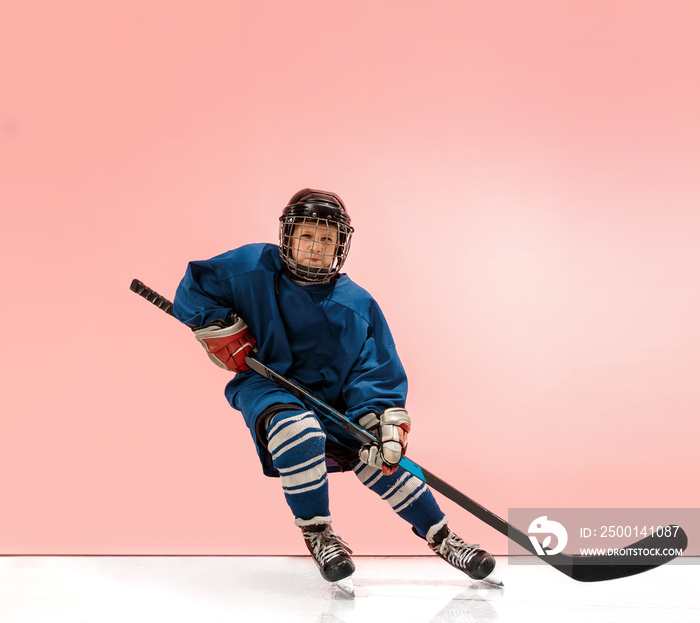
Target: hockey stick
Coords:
[[594, 568]]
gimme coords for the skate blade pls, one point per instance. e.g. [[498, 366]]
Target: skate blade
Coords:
[[346, 585], [493, 578]]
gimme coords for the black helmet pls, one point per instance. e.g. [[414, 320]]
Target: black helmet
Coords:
[[309, 216]]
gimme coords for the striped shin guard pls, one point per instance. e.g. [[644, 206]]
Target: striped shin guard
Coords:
[[407, 495], [297, 444]]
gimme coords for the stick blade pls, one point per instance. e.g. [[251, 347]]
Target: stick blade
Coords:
[[633, 559]]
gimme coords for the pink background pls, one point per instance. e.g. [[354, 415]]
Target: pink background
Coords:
[[523, 179]]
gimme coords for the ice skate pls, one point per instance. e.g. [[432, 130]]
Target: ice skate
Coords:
[[475, 562], [329, 551]]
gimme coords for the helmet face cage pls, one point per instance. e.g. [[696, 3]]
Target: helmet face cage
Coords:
[[313, 248]]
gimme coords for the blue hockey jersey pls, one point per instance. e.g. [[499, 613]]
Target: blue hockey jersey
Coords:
[[330, 338]]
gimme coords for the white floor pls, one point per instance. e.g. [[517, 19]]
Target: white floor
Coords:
[[78, 589]]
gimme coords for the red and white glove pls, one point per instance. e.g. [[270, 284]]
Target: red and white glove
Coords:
[[227, 344], [391, 428]]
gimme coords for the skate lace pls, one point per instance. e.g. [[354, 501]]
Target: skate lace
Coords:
[[326, 545], [455, 551]]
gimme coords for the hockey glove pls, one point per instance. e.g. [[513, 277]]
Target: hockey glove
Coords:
[[391, 428], [227, 343]]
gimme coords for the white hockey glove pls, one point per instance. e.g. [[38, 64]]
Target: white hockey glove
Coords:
[[391, 428], [227, 343]]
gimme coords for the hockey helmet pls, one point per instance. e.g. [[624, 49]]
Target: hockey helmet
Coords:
[[308, 250]]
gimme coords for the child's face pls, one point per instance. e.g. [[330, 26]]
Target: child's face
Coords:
[[314, 244]]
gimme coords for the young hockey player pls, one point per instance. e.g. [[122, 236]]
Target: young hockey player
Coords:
[[316, 327]]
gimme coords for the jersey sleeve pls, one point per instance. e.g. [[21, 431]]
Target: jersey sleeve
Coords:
[[203, 295], [377, 379]]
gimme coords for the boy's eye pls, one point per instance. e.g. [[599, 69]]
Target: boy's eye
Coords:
[[323, 239]]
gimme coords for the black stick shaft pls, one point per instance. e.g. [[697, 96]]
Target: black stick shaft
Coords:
[[151, 296]]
